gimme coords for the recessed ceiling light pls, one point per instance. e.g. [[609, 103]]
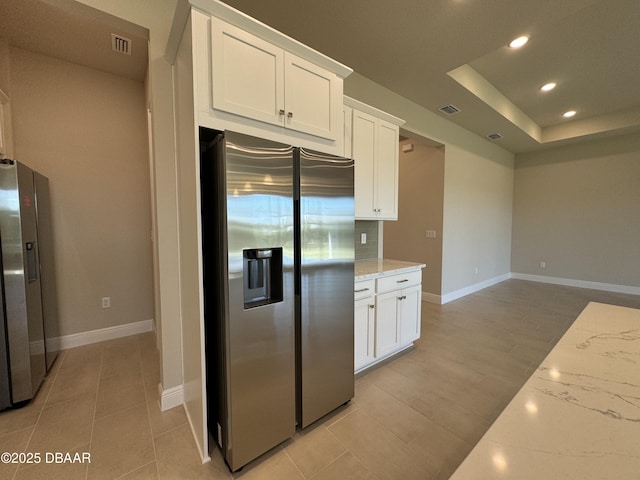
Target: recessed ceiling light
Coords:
[[548, 86], [569, 114], [519, 42]]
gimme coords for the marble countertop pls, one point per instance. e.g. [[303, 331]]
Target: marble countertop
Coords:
[[376, 267], [578, 415]]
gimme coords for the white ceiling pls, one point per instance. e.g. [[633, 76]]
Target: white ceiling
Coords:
[[416, 48], [591, 48], [75, 33]]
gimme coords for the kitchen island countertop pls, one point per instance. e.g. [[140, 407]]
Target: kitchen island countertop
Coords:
[[577, 416], [376, 267]]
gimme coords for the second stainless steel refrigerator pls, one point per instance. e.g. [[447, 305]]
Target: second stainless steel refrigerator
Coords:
[[28, 306], [278, 254]]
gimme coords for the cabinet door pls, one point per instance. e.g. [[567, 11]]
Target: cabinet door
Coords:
[[409, 310], [386, 181], [364, 129], [313, 99], [387, 332], [247, 75], [364, 325]]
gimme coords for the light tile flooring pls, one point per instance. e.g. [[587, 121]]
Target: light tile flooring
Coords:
[[415, 417]]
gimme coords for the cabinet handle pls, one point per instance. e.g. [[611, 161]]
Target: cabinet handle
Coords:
[[361, 290], [403, 297], [402, 281], [281, 111], [290, 115], [372, 306]]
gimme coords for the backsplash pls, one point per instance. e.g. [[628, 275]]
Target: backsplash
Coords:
[[370, 249]]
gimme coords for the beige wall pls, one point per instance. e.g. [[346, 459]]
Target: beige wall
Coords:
[[478, 199], [157, 16], [420, 206], [86, 131], [4, 67], [5, 86], [478, 189], [577, 208]]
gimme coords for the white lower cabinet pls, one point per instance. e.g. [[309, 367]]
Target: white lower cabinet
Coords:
[[364, 324], [387, 331], [389, 321], [409, 310]]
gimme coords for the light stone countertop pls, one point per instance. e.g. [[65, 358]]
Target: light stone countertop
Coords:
[[377, 267], [578, 415]]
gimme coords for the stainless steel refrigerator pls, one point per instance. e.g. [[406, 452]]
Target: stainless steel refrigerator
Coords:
[[28, 321], [278, 256]]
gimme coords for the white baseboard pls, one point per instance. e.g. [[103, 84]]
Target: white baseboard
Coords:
[[431, 298], [171, 397], [204, 457], [569, 282], [476, 287], [100, 335]]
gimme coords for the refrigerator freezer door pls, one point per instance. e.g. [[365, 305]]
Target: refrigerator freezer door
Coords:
[[325, 300], [258, 341], [5, 392], [22, 296], [47, 268], [33, 293]]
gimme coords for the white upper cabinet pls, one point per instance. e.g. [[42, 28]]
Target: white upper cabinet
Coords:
[[374, 149], [363, 151], [253, 79], [247, 75], [386, 193], [312, 98]]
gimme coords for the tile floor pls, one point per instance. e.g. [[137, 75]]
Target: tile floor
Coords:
[[415, 417]]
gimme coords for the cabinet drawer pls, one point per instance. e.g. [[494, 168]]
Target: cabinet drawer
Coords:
[[363, 289], [396, 282]]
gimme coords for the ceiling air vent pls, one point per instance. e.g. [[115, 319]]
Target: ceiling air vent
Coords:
[[449, 109], [494, 136], [120, 44]]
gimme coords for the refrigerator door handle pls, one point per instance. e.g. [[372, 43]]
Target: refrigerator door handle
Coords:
[[32, 265]]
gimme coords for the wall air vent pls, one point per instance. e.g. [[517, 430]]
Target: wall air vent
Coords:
[[449, 109], [494, 136], [120, 44]]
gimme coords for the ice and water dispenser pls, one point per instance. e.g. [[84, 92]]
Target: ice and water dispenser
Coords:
[[262, 268]]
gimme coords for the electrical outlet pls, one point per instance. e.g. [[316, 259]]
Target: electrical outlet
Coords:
[[106, 302], [363, 238], [543, 264], [476, 271], [430, 234]]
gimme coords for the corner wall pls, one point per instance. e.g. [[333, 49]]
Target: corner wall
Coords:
[[420, 208], [157, 17], [86, 131], [577, 208]]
